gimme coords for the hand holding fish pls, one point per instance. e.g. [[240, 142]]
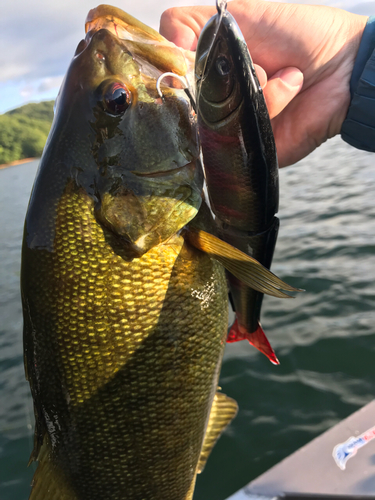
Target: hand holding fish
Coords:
[[305, 56]]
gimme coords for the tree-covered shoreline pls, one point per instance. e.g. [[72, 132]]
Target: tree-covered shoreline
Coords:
[[24, 131]]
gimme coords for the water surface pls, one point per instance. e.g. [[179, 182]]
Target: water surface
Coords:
[[325, 338]]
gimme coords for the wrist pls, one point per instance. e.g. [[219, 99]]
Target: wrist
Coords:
[[358, 128], [365, 50]]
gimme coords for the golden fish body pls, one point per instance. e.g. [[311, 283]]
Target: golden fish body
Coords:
[[128, 355]]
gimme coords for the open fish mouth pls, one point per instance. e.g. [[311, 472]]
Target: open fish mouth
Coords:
[[142, 41], [121, 24]]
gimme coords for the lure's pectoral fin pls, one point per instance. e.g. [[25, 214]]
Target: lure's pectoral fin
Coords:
[[223, 411], [244, 267], [257, 339]]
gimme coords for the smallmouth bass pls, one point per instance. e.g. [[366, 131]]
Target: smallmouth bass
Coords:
[[123, 282]]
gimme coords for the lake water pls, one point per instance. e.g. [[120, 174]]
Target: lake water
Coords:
[[325, 338]]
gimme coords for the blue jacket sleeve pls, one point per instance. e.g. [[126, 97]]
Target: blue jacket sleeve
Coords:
[[358, 128]]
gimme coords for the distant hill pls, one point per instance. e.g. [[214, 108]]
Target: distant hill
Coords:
[[38, 110], [24, 131]]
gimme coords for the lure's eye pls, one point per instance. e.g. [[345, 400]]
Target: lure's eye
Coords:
[[117, 98], [222, 65]]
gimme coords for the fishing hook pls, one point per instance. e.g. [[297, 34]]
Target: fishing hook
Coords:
[[182, 79], [184, 82]]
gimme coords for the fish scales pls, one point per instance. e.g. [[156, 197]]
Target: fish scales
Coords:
[[110, 318]]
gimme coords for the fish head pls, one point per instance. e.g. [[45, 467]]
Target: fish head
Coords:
[[133, 149], [220, 56]]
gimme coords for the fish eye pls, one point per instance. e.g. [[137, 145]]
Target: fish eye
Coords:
[[117, 98], [222, 65]]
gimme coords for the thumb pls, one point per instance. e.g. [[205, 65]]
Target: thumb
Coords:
[[281, 88]]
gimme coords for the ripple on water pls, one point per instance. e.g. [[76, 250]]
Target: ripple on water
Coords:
[[324, 338]]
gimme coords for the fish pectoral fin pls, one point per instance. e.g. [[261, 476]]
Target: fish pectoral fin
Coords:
[[48, 481], [242, 266], [223, 411], [190, 493], [38, 440]]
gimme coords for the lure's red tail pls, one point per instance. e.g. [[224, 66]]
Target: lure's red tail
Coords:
[[257, 338]]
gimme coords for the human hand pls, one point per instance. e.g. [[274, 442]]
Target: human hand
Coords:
[[304, 57]]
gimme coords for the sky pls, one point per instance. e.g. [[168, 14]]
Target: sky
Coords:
[[39, 38]]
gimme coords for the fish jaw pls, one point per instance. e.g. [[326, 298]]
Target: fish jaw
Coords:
[[151, 209]]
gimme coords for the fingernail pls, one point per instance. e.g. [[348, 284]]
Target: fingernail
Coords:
[[292, 77]]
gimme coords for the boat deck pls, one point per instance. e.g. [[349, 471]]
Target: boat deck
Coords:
[[339, 465]]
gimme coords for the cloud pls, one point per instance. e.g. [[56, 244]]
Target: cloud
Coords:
[[40, 38], [35, 89], [50, 83], [13, 71], [27, 92], [363, 8]]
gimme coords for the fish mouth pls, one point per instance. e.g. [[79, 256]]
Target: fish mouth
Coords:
[[142, 41], [120, 24], [165, 173]]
